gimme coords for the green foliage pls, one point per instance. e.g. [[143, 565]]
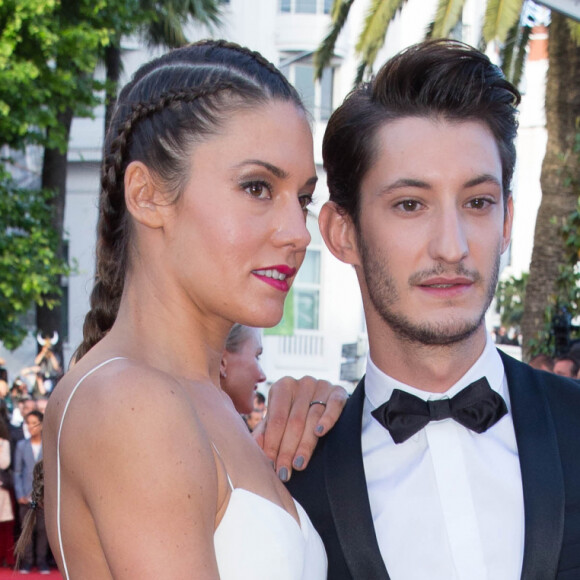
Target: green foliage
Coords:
[[500, 17], [29, 268], [447, 15], [509, 300], [48, 52]]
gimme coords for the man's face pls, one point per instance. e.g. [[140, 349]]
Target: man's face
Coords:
[[564, 368], [432, 227]]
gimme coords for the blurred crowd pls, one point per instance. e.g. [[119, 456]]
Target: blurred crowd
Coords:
[[22, 405]]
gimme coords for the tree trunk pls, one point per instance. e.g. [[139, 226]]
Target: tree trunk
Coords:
[[113, 66], [54, 170], [559, 165]]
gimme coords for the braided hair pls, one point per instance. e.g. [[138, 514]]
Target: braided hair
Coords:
[[171, 104]]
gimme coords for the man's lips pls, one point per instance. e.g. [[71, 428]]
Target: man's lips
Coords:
[[446, 287], [276, 276], [440, 282]]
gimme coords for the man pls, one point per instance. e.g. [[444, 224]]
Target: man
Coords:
[[419, 163], [566, 366], [542, 362]]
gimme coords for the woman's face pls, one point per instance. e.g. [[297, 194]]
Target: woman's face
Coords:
[[243, 372], [237, 236]]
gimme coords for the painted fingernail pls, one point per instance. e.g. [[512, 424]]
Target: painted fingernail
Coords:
[[299, 462], [283, 474], [272, 464], [320, 429]]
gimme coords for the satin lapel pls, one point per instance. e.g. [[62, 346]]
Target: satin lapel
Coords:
[[347, 493], [541, 468]]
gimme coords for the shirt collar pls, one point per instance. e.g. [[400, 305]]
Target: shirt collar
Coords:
[[379, 386]]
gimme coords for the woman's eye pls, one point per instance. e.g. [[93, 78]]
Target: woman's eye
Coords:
[[258, 189]]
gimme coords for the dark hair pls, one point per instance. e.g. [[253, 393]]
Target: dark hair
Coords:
[[36, 503], [260, 398], [172, 103], [237, 336], [36, 414], [440, 78]]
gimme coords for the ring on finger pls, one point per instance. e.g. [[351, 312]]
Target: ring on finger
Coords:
[[317, 403]]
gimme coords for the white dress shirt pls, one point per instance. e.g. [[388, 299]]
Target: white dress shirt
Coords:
[[447, 503]]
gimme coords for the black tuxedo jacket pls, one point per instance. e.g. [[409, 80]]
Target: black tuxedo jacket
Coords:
[[546, 414]]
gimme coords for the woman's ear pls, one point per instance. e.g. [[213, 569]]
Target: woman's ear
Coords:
[[223, 366], [339, 233], [144, 200]]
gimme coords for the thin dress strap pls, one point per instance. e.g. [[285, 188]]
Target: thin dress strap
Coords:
[[227, 474], [58, 457]]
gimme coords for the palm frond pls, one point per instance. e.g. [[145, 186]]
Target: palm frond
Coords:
[[167, 27], [166, 30], [446, 17], [207, 12], [360, 73], [500, 17], [574, 30], [325, 52], [513, 53], [377, 21]]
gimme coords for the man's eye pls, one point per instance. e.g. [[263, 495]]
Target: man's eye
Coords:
[[479, 203], [409, 205]]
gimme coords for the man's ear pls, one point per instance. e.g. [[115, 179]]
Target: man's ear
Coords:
[[144, 200], [339, 233], [508, 220]]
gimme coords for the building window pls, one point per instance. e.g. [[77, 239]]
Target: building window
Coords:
[[306, 6], [316, 95], [307, 283]]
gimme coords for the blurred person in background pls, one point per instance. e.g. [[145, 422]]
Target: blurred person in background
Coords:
[[565, 366], [240, 370], [28, 453], [6, 492], [542, 362]]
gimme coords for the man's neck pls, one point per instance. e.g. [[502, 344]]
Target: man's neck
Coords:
[[429, 368]]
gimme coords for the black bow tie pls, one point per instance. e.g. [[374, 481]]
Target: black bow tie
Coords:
[[477, 407]]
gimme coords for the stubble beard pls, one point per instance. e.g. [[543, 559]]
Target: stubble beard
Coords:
[[384, 296]]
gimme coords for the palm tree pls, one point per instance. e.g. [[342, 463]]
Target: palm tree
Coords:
[[507, 22], [161, 24]]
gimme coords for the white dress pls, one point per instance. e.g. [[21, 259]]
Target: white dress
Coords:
[[255, 540]]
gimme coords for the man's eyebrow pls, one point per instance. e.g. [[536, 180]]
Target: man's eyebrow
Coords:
[[408, 182], [277, 171], [405, 182], [484, 178]]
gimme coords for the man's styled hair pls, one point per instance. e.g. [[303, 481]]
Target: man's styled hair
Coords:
[[436, 79]]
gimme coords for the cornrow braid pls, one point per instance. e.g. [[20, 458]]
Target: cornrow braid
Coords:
[[29, 522], [170, 104]]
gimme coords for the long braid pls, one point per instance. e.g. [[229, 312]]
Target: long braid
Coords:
[[29, 522], [188, 77]]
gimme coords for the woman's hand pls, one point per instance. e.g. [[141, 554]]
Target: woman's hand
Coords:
[[299, 412]]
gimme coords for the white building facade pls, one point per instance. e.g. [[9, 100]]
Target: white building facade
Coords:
[[327, 306]]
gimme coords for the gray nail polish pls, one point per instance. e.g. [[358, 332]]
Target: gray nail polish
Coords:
[[299, 462], [319, 429], [283, 474]]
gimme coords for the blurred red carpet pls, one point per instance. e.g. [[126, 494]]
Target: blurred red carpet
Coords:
[[34, 575]]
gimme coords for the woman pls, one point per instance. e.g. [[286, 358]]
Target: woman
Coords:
[[240, 370], [149, 470]]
